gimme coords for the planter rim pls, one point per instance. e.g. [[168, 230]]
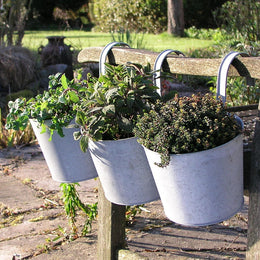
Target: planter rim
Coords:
[[119, 140], [203, 151], [47, 121]]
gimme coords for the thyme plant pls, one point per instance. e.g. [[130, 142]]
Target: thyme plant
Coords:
[[185, 125]]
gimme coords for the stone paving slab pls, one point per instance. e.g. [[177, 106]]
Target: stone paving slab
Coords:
[[36, 171], [82, 248], [35, 223], [18, 196], [155, 237], [24, 246]]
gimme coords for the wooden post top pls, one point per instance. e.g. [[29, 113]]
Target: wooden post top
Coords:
[[177, 64]]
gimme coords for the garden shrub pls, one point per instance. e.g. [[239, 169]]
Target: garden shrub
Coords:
[[17, 69], [133, 15], [240, 19]]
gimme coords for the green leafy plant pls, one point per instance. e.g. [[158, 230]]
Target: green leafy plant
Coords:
[[111, 103], [184, 125], [131, 212], [217, 35], [240, 19], [135, 40], [10, 137], [55, 105], [239, 93], [72, 203]]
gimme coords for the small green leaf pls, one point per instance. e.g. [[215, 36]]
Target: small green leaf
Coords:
[[43, 128], [80, 118], [84, 143], [23, 121], [110, 109], [64, 82], [111, 93], [95, 109], [73, 97], [60, 131], [44, 105], [77, 135], [56, 238], [62, 99]]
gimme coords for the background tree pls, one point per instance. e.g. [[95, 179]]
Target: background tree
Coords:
[[175, 18], [14, 14]]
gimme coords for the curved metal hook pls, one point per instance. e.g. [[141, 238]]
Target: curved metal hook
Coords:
[[223, 73], [158, 66], [104, 53]]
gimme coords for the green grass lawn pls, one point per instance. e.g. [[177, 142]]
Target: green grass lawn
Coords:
[[162, 42], [81, 39]]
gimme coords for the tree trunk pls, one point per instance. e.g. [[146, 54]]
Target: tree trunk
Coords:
[[175, 17], [10, 28]]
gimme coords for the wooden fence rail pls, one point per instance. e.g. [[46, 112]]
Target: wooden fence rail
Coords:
[[242, 66], [177, 65]]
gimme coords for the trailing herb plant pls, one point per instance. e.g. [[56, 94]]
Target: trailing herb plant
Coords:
[[111, 103], [72, 203], [55, 104], [185, 125]]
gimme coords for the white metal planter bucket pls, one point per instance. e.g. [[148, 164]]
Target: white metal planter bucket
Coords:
[[66, 162], [124, 172], [201, 188]]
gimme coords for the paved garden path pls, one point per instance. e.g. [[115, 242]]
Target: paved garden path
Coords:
[[33, 224]]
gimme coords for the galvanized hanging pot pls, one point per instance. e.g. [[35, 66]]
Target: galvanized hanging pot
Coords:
[[65, 160], [202, 188], [121, 165], [124, 171]]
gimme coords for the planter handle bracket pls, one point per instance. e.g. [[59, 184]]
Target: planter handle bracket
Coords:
[[105, 53], [230, 58], [159, 64]]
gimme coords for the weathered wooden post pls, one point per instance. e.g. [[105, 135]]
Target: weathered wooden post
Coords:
[[111, 227], [253, 236]]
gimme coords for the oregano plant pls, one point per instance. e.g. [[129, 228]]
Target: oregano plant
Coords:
[[54, 104]]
